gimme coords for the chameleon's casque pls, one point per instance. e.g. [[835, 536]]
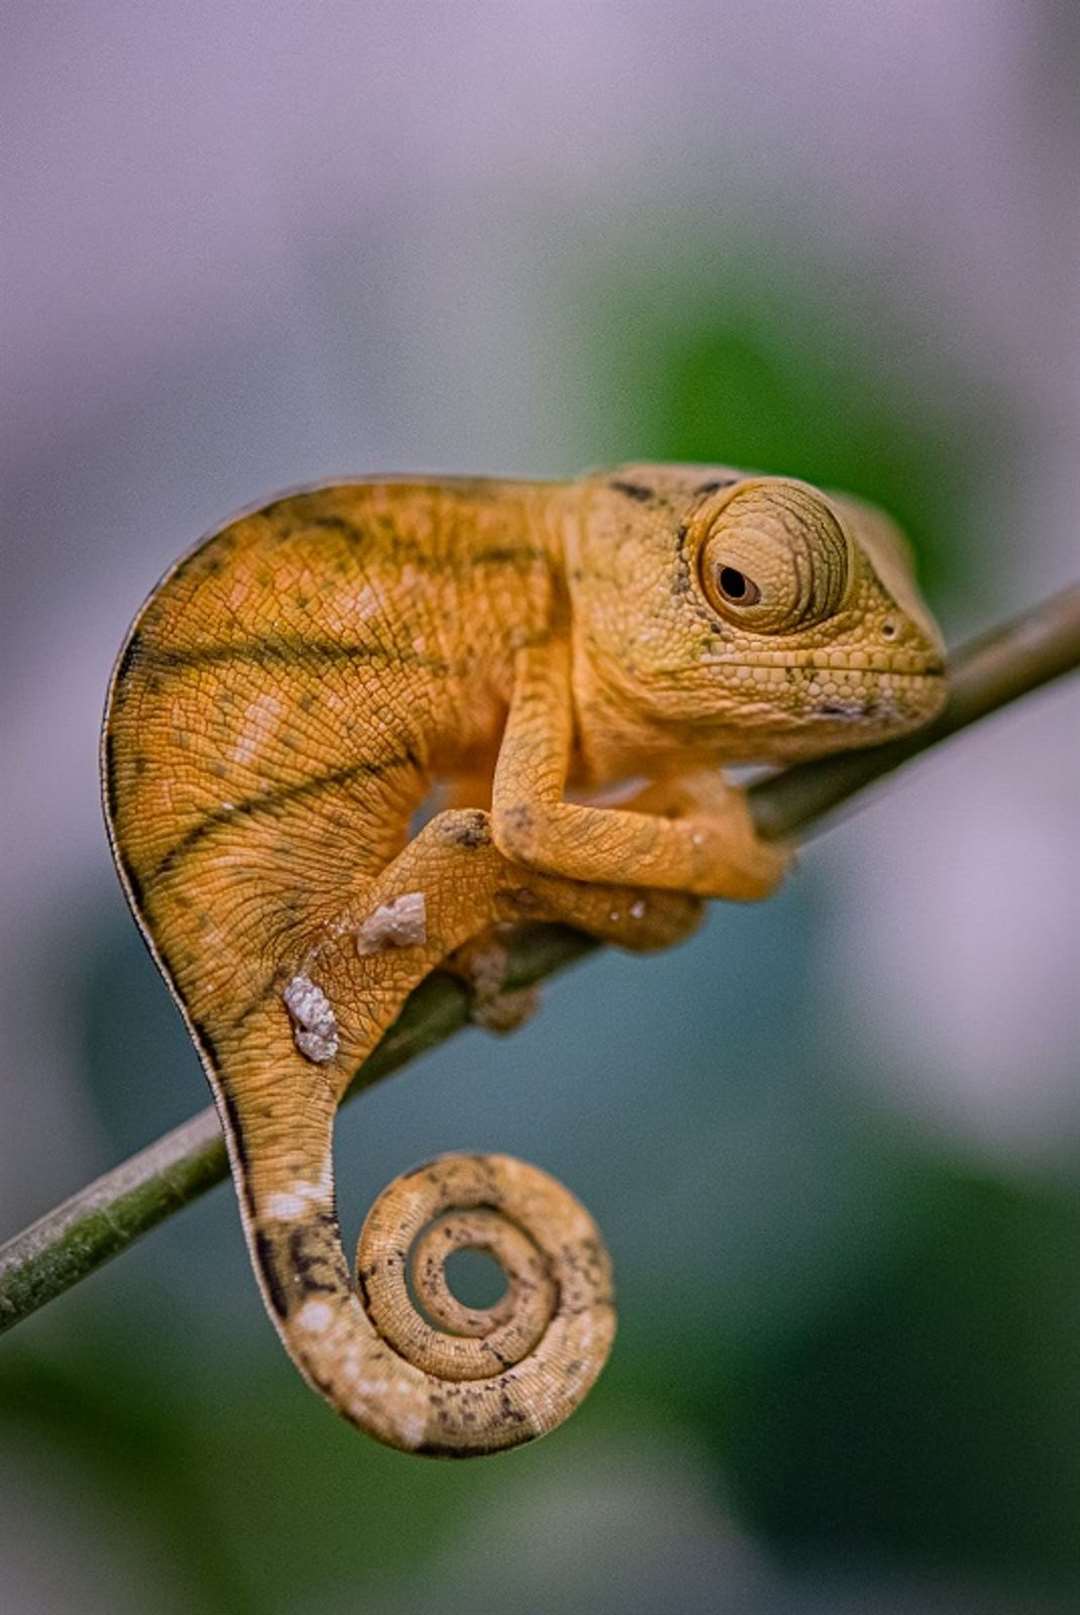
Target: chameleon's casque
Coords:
[[292, 692]]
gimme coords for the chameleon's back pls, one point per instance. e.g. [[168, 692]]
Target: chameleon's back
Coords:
[[282, 698]]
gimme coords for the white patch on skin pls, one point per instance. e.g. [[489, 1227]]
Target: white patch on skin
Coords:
[[315, 1030], [637, 910], [399, 924], [373, 1389], [348, 606], [291, 1203], [259, 720], [283, 1207], [326, 1179], [411, 1431], [315, 1046], [315, 1316], [363, 604]]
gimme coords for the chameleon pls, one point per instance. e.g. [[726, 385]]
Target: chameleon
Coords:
[[558, 674]]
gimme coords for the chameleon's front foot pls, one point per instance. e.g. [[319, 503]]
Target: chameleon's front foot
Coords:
[[730, 858], [625, 917], [692, 836]]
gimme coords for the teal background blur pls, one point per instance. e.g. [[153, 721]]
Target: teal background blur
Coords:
[[835, 1142]]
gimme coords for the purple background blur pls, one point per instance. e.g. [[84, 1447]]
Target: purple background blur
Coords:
[[247, 246]]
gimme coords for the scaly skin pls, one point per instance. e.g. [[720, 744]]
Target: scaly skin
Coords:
[[288, 696]]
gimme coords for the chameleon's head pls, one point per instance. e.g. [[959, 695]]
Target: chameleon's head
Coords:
[[745, 617]]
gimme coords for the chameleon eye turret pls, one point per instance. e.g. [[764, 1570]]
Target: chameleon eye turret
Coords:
[[772, 556], [285, 701]]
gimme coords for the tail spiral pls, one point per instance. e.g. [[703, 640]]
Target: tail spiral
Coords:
[[405, 1360]]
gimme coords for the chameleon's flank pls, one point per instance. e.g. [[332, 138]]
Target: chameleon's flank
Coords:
[[299, 685]]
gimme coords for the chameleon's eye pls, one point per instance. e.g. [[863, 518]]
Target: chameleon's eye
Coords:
[[772, 556], [736, 588]]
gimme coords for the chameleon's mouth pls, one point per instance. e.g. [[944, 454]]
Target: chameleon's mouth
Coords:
[[876, 696], [838, 677], [903, 666], [858, 696]]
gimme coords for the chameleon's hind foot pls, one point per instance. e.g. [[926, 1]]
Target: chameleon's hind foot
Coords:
[[484, 966]]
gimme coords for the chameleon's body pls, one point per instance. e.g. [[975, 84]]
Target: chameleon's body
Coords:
[[285, 701]]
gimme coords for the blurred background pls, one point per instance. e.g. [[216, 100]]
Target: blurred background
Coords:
[[248, 245]]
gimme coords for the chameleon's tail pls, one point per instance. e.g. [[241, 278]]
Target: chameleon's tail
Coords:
[[420, 1371]]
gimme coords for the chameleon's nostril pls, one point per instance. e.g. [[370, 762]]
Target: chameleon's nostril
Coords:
[[888, 629]]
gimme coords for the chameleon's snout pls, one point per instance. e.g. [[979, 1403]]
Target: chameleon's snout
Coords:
[[877, 700], [883, 674]]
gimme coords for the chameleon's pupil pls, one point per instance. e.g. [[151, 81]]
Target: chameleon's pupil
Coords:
[[732, 583]]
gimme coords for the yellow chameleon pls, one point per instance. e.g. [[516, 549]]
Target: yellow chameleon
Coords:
[[294, 690]]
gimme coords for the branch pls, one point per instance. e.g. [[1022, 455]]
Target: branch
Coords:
[[72, 1240]]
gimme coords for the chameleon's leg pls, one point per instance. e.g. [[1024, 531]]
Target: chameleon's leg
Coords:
[[712, 853], [450, 885], [501, 1376], [640, 920], [627, 918]]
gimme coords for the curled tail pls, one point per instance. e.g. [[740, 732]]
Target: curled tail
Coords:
[[273, 721], [420, 1371]]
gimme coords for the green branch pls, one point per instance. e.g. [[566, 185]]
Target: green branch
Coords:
[[104, 1218]]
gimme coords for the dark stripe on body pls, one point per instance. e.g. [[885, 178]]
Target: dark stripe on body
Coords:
[[134, 884], [315, 1255], [208, 1044], [228, 1104], [383, 530], [267, 1259], [128, 655], [632, 490], [290, 650], [272, 801], [109, 758], [504, 555]]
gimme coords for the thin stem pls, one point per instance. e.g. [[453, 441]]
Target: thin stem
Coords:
[[102, 1219]]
